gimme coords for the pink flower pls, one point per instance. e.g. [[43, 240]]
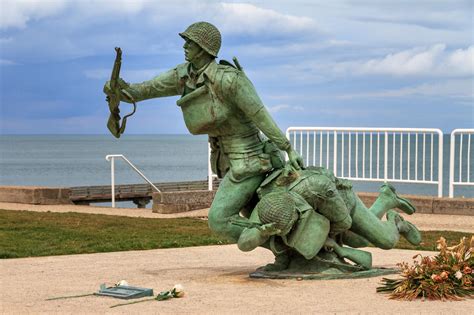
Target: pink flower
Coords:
[[444, 275]]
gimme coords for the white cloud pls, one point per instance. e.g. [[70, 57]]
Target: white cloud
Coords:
[[5, 40], [128, 75], [17, 13], [244, 18], [284, 107], [408, 62], [97, 73], [6, 62], [288, 49], [459, 89], [435, 60], [112, 7], [460, 61]]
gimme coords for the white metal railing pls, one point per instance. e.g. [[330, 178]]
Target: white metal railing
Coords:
[[112, 158], [463, 159], [409, 155], [210, 175]]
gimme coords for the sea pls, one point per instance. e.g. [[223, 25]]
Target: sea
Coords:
[[79, 160]]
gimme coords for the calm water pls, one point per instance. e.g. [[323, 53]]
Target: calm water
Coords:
[[69, 160], [77, 160]]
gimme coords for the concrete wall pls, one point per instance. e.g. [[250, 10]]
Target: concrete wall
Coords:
[[181, 201], [35, 195], [428, 204], [174, 202]]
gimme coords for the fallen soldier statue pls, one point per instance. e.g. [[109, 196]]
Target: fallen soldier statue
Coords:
[[309, 217]]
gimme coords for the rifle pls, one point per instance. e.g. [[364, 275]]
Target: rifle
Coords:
[[114, 98]]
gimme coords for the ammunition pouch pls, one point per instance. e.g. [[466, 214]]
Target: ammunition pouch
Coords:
[[310, 232]]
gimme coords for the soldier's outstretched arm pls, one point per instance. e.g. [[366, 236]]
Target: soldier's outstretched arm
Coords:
[[247, 99], [165, 84]]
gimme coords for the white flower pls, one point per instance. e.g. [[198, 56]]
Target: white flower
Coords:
[[179, 290], [121, 283], [458, 274]]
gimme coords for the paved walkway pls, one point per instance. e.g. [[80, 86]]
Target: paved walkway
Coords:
[[215, 279], [425, 222]]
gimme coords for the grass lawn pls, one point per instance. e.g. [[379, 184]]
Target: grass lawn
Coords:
[[30, 234], [27, 233]]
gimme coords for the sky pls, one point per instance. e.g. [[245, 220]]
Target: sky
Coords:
[[361, 63]]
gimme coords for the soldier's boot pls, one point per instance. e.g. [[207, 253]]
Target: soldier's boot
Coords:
[[282, 256], [388, 199], [406, 229]]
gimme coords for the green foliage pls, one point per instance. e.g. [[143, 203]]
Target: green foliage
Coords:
[[30, 234], [447, 276]]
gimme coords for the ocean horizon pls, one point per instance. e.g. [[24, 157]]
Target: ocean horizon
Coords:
[[68, 160]]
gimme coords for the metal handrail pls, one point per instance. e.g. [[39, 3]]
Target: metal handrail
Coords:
[[210, 174], [111, 159], [381, 138], [452, 150]]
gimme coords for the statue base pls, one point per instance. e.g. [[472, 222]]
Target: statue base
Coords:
[[375, 272], [321, 267]]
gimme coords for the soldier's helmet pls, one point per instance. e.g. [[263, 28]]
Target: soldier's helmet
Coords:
[[278, 208], [206, 35]]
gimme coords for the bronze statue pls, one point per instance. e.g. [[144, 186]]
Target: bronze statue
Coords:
[[219, 100], [305, 216], [311, 212]]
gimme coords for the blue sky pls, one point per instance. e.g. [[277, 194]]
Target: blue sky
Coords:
[[314, 63]]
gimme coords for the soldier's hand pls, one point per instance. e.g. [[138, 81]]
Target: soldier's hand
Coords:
[[107, 89], [269, 229], [295, 159]]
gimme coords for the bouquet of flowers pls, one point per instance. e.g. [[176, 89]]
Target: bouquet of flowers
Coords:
[[447, 276]]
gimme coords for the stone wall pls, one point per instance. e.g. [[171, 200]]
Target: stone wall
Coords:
[[181, 201], [35, 195]]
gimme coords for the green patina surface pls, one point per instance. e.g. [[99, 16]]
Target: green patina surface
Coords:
[[219, 100], [321, 215], [331, 275]]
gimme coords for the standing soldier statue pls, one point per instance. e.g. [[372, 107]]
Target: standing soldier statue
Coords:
[[220, 101]]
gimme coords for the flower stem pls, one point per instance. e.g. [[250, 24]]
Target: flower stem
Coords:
[[134, 302], [68, 297]]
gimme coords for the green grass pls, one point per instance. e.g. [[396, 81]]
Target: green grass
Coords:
[[429, 239], [31, 234]]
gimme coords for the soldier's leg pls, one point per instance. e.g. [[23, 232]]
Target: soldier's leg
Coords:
[[388, 199], [354, 240], [231, 197], [383, 234]]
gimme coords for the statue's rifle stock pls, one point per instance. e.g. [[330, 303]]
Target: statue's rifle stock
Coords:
[[113, 99]]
